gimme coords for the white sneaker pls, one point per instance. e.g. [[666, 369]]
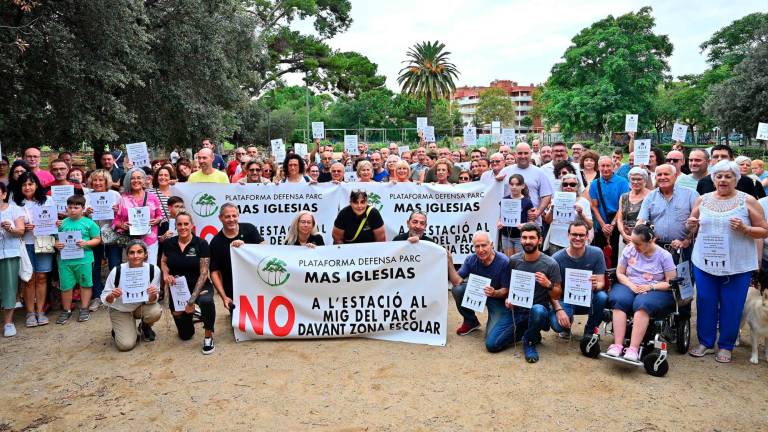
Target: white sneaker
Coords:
[[9, 330], [94, 305]]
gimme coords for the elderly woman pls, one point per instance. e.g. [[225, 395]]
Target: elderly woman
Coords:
[[358, 222], [643, 274], [588, 166], [123, 316], [100, 182], [745, 168], [443, 169], [630, 203], [134, 195], [557, 236], [364, 171], [293, 169], [402, 173], [303, 231], [727, 223], [391, 164]]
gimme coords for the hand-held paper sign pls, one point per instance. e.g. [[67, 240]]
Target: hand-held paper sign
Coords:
[[630, 123]]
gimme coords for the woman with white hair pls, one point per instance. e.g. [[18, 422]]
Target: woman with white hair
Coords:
[[726, 222], [630, 203], [134, 195], [557, 236]]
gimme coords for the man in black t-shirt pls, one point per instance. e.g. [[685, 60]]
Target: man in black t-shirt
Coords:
[[417, 225], [232, 233]]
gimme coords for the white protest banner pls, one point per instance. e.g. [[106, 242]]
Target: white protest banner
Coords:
[[686, 286], [578, 287], [278, 150], [521, 288], [455, 211], [101, 203], [421, 124], [762, 131], [180, 293], [134, 283], [679, 131], [429, 134], [300, 149], [630, 123], [350, 145], [138, 219], [381, 291], [510, 211], [318, 130], [508, 137], [642, 152], [71, 249], [474, 294], [60, 194], [562, 206], [470, 136], [403, 149], [270, 207], [138, 154], [44, 219]]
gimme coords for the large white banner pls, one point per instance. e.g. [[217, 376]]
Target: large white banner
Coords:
[[391, 291], [454, 212]]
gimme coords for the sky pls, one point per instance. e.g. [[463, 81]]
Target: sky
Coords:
[[519, 40]]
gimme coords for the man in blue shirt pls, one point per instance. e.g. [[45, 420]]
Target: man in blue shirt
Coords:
[[218, 161], [605, 192], [485, 262], [379, 173]]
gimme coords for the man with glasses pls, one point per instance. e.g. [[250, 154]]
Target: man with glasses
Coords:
[[745, 183], [559, 153], [676, 158], [233, 168], [698, 163], [252, 173], [337, 173], [580, 256], [605, 192], [577, 150], [32, 158], [494, 174]]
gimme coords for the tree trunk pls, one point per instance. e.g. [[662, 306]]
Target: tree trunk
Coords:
[[429, 107]]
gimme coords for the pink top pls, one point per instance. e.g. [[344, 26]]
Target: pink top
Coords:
[[127, 201], [44, 176]]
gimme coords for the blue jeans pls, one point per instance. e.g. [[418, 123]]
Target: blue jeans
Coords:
[[720, 300], [499, 318], [114, 255], [594, 312], [655, 303]]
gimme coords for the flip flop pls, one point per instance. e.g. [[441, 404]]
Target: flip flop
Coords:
[[723, 356], [701, 351]]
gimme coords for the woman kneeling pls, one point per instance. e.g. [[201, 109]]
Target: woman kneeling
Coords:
[[122, 312], [643, 275]]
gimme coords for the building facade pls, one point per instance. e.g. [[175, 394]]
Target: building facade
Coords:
[[466, 99]]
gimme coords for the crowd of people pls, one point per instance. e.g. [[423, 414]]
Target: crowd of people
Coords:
[[640, 219]]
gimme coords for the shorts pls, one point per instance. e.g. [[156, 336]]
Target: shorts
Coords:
[[41, 263], [75, 274], [9, 282], [510, 242], [657, 304]]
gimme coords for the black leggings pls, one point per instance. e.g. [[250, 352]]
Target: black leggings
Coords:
[[184, 323]]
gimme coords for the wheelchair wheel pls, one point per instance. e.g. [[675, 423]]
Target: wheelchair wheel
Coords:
[[649, 362], [683, 335], [591, 352]]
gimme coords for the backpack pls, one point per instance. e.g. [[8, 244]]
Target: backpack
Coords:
[[117, 273]]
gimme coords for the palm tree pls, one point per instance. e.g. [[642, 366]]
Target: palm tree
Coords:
[[428, 73]]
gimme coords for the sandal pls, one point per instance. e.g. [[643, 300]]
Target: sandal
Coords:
[[723, 356], [701, 351]]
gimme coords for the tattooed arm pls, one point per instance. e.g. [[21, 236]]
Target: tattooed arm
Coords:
[[204, 272]]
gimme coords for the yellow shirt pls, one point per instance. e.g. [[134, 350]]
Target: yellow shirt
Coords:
[[215, 177]]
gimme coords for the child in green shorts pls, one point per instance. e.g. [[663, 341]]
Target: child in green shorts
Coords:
[[76, 271]]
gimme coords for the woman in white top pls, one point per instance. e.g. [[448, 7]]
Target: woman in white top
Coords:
[[124, 315], [557, 236], [100, 181], [30, 194], [11, 230], [293, 167], [724, 256]]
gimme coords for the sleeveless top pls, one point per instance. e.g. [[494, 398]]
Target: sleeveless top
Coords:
[[629, 211], [714, 218]]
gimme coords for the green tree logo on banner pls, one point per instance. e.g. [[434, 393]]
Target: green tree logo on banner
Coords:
[[272, 271], [374, 200], [204, 204]]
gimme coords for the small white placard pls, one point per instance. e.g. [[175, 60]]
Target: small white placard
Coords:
[[350, 176], [474, 295], [630, 123], [578, 287], [686, 285], [521, 288], [642, 152], [134, 283], [44, 219], [403, 149], [71, 249], [563, 207], [429, 134], [138, 219], [510, 211], [470, 136], [138, 154], [508, 136], [496, 127], [715, 252], [60, 195], [300, 149], [101, 203], [679, 131], [180, 294], [421, 124], [318, 130], [762, 131], [350, 144], [278, 150]]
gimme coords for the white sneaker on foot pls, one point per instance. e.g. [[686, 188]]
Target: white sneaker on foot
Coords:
[[9, 330]]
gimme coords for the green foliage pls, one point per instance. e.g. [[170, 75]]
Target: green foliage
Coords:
[[612, 68], [526, 121], [428, 73], [729, 45], [494, 105]]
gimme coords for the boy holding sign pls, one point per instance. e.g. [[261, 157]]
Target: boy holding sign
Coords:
[[77, 271]]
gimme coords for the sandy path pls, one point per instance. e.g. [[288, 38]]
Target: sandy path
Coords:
[[70, 377]]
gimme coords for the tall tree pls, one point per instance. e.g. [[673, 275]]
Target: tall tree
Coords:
[[729, 45], [612, 68], [428, 73], [495, 105]]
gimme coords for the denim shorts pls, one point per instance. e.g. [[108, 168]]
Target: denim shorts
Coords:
[[41, 263]]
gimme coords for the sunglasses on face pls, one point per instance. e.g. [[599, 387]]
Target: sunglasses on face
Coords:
[[464, 178], [673, 160], [255, 170], [570, 184]]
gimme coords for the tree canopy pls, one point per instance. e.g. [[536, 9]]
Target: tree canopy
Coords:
[[495, 105]]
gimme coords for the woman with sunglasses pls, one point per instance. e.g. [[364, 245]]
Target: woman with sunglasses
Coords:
[[557, 236], [358, 222], [630, 203], [464, 176], [268, 171]]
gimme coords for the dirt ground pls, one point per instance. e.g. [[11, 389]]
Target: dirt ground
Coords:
[[71, 378]]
